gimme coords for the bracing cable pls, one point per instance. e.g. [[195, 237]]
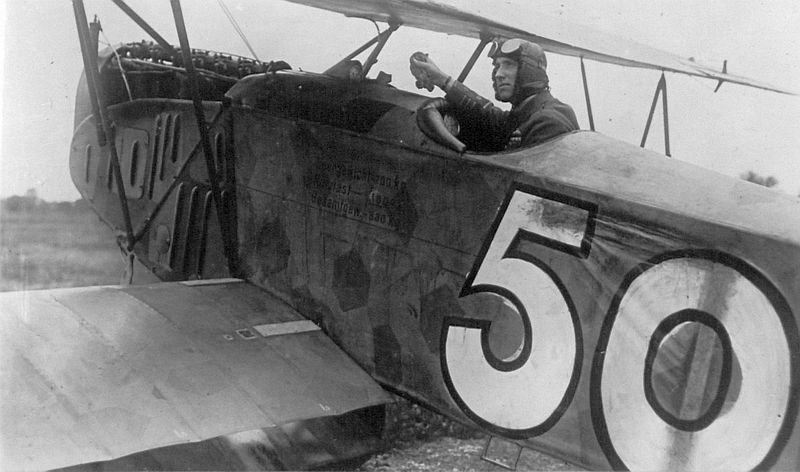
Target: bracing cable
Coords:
[[119, 62], [237, 28]]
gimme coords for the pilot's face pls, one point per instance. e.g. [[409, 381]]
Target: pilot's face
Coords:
[[504, 74]]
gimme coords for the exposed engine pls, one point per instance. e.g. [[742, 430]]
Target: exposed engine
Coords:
[[228, 65], [148, 70]]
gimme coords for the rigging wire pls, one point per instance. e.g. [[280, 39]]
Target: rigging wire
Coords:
[[237, 28], [119, 62]]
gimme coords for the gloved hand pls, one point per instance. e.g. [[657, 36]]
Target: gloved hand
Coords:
[[426, 71]]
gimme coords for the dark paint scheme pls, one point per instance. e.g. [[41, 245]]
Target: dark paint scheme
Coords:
[[347, 211]]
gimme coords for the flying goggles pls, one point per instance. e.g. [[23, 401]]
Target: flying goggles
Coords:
[[519, 49], [508, 47]]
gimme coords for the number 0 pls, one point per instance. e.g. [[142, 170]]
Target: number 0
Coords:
[[758, 334]]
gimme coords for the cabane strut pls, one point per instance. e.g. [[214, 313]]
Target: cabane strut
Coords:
[[145, 26], [474, 58], [105, 129], [194, 89], [106, 135], [381, 39]]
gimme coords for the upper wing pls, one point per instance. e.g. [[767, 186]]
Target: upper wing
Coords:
[[92, 374], [554, 35]]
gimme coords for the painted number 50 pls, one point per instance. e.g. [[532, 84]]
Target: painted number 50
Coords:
[[647, 411]]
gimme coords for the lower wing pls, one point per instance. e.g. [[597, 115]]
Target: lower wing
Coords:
[[94, 374]]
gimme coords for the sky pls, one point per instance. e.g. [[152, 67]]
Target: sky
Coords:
[[732, 131]]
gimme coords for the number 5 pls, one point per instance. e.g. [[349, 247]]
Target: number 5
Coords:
[[525, 394]]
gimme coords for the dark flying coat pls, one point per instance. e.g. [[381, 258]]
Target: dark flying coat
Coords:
[[534, 120]]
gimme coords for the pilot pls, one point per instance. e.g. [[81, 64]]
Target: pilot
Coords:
[[519, 77]]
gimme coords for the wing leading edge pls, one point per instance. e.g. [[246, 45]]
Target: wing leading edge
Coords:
[[93, 374], [554, 35]]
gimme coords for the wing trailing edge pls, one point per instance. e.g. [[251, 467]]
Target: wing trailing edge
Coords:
[[93, 374]]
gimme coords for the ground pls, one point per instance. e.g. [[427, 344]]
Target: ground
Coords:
[[422, 440], [456, 455]]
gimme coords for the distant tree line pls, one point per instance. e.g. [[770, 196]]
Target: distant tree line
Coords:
[[751, 176], [30, 203], [768, 181]]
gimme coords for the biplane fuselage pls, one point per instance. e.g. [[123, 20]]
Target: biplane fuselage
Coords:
[[523, 291]]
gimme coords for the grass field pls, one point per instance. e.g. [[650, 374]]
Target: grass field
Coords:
[[49, 248]]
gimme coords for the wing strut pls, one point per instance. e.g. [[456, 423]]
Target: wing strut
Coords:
[[186, 52], [588, 101], [724, 71], [100, 112], [661, 89]]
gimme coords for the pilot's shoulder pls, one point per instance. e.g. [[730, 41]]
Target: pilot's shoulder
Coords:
[[556, 110]]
